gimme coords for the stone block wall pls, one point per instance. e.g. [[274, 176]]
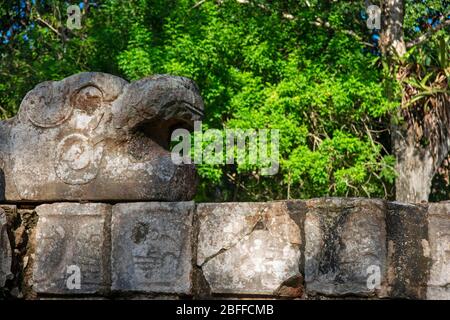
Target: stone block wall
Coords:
[[327, 248], [84, 164]]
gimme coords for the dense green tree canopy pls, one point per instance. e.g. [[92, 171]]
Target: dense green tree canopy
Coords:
[[311, 69]]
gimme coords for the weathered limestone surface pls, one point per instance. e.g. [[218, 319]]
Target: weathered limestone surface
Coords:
[[251, 248], [67, 235], [5, 250], [345, 244], [408, 250], [439, 237], [94, 136], [328, 247], [152, 247]]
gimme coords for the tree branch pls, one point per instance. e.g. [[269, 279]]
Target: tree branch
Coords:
[[325, 24], [198, 4], [426, 36], [48, 25], [285, 15]]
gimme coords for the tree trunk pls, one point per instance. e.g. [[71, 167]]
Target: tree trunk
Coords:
[[421, 142], [392, 40], [414, 168], [420, 148]]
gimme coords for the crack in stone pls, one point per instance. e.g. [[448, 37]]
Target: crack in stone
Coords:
[[256, 225], [239, 239]]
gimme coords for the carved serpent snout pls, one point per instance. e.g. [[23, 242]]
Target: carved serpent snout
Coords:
[[94, 136], [158, 105]]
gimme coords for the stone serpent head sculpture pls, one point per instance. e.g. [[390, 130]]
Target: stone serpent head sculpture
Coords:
[[94, 136]]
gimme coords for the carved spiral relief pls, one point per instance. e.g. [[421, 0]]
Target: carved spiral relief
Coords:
[[77, 160]]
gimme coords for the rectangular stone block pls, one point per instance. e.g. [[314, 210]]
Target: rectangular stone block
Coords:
[[408, 250], [345, 249], [439, 238], [152, 247], [72, 249], [251, 248], [5, 250]]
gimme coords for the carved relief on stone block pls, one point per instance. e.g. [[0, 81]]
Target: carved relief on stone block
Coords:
[[94, 136], [72, 255], [152, 247]]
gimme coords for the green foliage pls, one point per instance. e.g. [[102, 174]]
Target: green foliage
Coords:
[[262, 64]]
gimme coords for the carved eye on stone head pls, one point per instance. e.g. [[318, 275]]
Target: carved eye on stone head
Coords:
[[45, 105], [88, 99]]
